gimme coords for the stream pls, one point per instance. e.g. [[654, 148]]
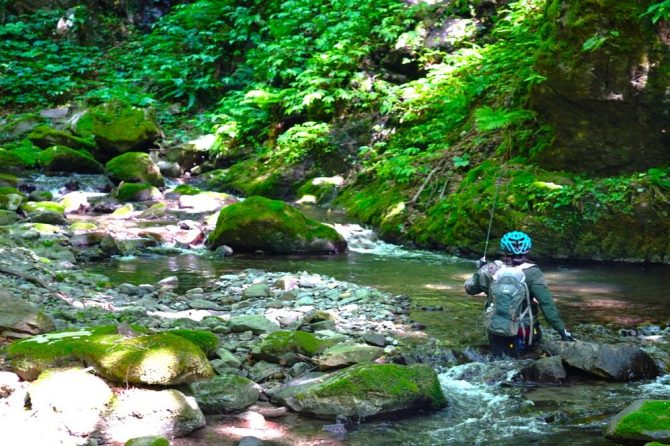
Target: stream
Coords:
[[486, 406]]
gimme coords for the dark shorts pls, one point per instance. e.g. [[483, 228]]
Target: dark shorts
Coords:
[[513, 346]]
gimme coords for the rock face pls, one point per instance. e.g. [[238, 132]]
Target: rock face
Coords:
[[117, 127], [641, 422], [618, 362], [366, 390], [19, 318], [274, 227], [606, 88]]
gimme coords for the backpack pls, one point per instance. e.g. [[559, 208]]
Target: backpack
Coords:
[[508, 307]]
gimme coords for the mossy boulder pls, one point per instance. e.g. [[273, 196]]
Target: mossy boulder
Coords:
[[44, 137], [342, 355], [65, 159], [157, 359], [7, 180], [11, 162], [274, 227], [148, 441], [642, 421], [280, 345], [117, 127], [366, 390], [136, 192], [135, 167], [207, 341], [319, 190], [225, 393], [11, 198], [35, 206], [8, 217]]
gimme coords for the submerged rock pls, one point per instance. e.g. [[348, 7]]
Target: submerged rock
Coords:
[[618, 362], [225, 393], [365, 390]]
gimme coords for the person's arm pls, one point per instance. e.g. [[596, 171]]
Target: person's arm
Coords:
[[479, 282], [537, 285]]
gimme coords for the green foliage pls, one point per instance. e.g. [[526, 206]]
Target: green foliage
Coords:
[[658, 11], [301, 140]]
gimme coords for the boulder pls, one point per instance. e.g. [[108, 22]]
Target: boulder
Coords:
[[548, 370], [19, 318], [44, 137], [365, 390], [74, 202], [156, 359], [10, 198], [225, 393], [7, 180], [11, 162], [642, 421], [619, 362], [274, 227], [117, 127], [73, 398], [148, 441], [282, 345], [47, 217], [137, 192], [134, 167], [65, 159], [342, 355], [256, 323], [140, 413], [8, 217]]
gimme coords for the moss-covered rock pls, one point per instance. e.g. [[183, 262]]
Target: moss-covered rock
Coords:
[[10, 162], [135, 167], [642, 421], [274, 227], [225, 393], [7, 180], [65, 159], [319, 190], [34, 206], [11, 198], [207, 341], [148, 441], [8, 217], [44, 137], [367, 390], [280, 343], [342, 355], [136, 192], [117, 127], [158, 359]]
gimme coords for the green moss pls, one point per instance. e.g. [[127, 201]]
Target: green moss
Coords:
[[135, 167], [8, 180], [11, 162], [207, 341], [392, 379], [302, 342], [32, 206], [273, 226], [651, 416], [26, 152], [186, 189], [83, 226], [135, 192], [65, 159], [44, 136]]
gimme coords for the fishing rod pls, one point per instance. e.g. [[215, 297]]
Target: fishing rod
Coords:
[[482, 261]]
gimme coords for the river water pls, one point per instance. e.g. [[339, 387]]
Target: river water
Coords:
[[486, 405]]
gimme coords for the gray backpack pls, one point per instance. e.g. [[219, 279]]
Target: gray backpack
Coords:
[[508, 307]]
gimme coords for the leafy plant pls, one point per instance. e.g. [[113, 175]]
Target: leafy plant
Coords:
[[658, 11]]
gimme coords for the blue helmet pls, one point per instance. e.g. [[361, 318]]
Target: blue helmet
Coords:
[[516, 242]]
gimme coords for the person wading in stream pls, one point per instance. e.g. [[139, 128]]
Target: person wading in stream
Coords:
[[515, 288]]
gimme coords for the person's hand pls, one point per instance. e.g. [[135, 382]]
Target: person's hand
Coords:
[[481, 262], [566, 336]]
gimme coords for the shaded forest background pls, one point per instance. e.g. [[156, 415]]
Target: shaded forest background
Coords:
[[557, 112]]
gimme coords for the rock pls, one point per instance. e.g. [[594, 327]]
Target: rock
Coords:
[[65, 159], [170, 169], [158, 359], [274, 227], [140, 413], [73, 398], [47, 217], [8, 217], [250, 441], [257, 290], [225, 393], [117, 127], [19, 316], [44, 137], [263, 370], [11, 201], [618, 362], [137, 192], [342, 355], [135, 167], [148, 441], [281, 345], [74, 202], [256, 323], [228, 358], [640, 422], [365, 390], [545, 370], [10, 162], [374, 339]]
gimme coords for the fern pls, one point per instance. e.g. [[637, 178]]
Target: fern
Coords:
[[487, 118]]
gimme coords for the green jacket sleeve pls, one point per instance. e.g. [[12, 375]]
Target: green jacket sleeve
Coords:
[[537, 285]]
